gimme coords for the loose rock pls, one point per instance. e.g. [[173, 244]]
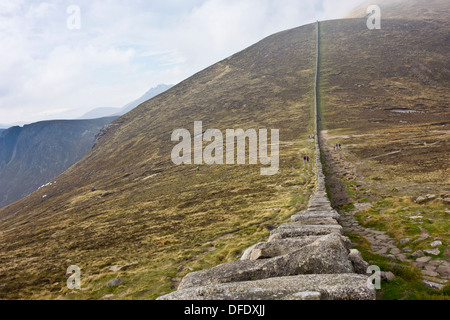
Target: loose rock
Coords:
[[436, 243], [387, 276], [432, 251], [433, 285], [358, 262], [115, 282]]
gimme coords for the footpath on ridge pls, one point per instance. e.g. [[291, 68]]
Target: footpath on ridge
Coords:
[[306, 259]]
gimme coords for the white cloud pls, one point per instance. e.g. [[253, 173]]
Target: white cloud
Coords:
[[124, 48]]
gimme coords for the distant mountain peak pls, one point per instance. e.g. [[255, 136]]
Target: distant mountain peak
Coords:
[[107, 112]]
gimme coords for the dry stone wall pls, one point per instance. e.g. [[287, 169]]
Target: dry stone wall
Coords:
[[306, 259]]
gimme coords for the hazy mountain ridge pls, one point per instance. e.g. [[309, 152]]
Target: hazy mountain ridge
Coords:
[[106, 112], [18, 179], [32, 155]]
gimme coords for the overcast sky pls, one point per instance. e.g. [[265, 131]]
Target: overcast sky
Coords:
[[56, 66]]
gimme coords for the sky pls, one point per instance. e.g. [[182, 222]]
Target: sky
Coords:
[[61, 59]]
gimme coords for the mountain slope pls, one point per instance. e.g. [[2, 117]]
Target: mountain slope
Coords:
[[393, 101], [384, 98], [165, 218], [406, 9], [32, 155]]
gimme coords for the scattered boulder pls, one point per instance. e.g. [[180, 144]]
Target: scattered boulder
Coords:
[[115, 282], [118, 268], [359, 265], [387, 276], [405, 240], [433, 285], [432, 251], [247, 253], [436, 243], [420, 200]]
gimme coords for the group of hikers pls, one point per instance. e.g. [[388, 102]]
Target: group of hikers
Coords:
[[338, 146], [306, 159]]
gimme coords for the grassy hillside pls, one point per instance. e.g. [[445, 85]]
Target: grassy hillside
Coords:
[[389, 108], [384, 97], [162, 220]]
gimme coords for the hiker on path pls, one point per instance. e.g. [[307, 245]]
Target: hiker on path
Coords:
[[307, 158], [304, 159]]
